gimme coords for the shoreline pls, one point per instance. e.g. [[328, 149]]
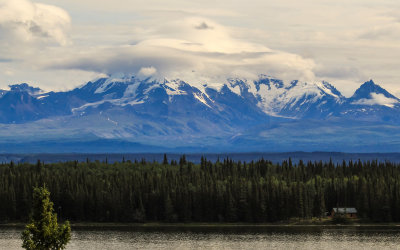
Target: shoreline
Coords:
[[160, 225]]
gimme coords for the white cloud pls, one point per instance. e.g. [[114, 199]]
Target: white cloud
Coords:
[[377, 99], [25, 21], [147, 71], [180, 49]]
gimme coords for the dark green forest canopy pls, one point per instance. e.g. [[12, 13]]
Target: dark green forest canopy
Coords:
[[224, 191]]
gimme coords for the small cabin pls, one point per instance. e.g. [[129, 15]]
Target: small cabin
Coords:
[[349, 212]]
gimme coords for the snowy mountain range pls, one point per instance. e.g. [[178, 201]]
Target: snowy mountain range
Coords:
[[130, 114]]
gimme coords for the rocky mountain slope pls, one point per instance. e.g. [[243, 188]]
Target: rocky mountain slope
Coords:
[[132, 114]]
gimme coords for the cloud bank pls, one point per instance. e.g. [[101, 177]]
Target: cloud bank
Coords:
[[194, 49], [345, 42]]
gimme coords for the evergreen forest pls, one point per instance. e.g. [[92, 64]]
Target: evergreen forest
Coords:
[[221, 191]]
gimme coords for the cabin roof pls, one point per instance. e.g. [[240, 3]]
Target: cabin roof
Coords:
[[345, 210]]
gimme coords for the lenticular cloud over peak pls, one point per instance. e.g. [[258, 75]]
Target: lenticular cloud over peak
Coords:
[[194, 49]]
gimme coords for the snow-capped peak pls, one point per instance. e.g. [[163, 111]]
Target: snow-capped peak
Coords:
[[365, 90], [272, 96]]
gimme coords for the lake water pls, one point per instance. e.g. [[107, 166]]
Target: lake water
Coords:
[[225, 238]]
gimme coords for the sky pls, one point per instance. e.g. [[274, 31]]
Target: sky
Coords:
[[61, 44]]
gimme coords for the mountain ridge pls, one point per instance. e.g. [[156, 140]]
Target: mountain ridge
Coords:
[[239, 114]]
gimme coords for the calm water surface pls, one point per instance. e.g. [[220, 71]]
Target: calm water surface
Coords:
[[239, 238]]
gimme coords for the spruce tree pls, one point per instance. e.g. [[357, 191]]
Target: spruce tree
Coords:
[[43, 232], [165, 161]]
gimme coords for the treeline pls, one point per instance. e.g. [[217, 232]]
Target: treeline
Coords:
[[224, 191]]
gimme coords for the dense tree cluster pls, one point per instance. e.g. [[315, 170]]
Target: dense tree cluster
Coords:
[[224, 191]]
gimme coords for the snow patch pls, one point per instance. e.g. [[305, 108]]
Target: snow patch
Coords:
[[172, 87], [118, 102], [326, 89], [41, 97], [154, 86], [132, 103], [201, 99], [131, 90], [112, 80]]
